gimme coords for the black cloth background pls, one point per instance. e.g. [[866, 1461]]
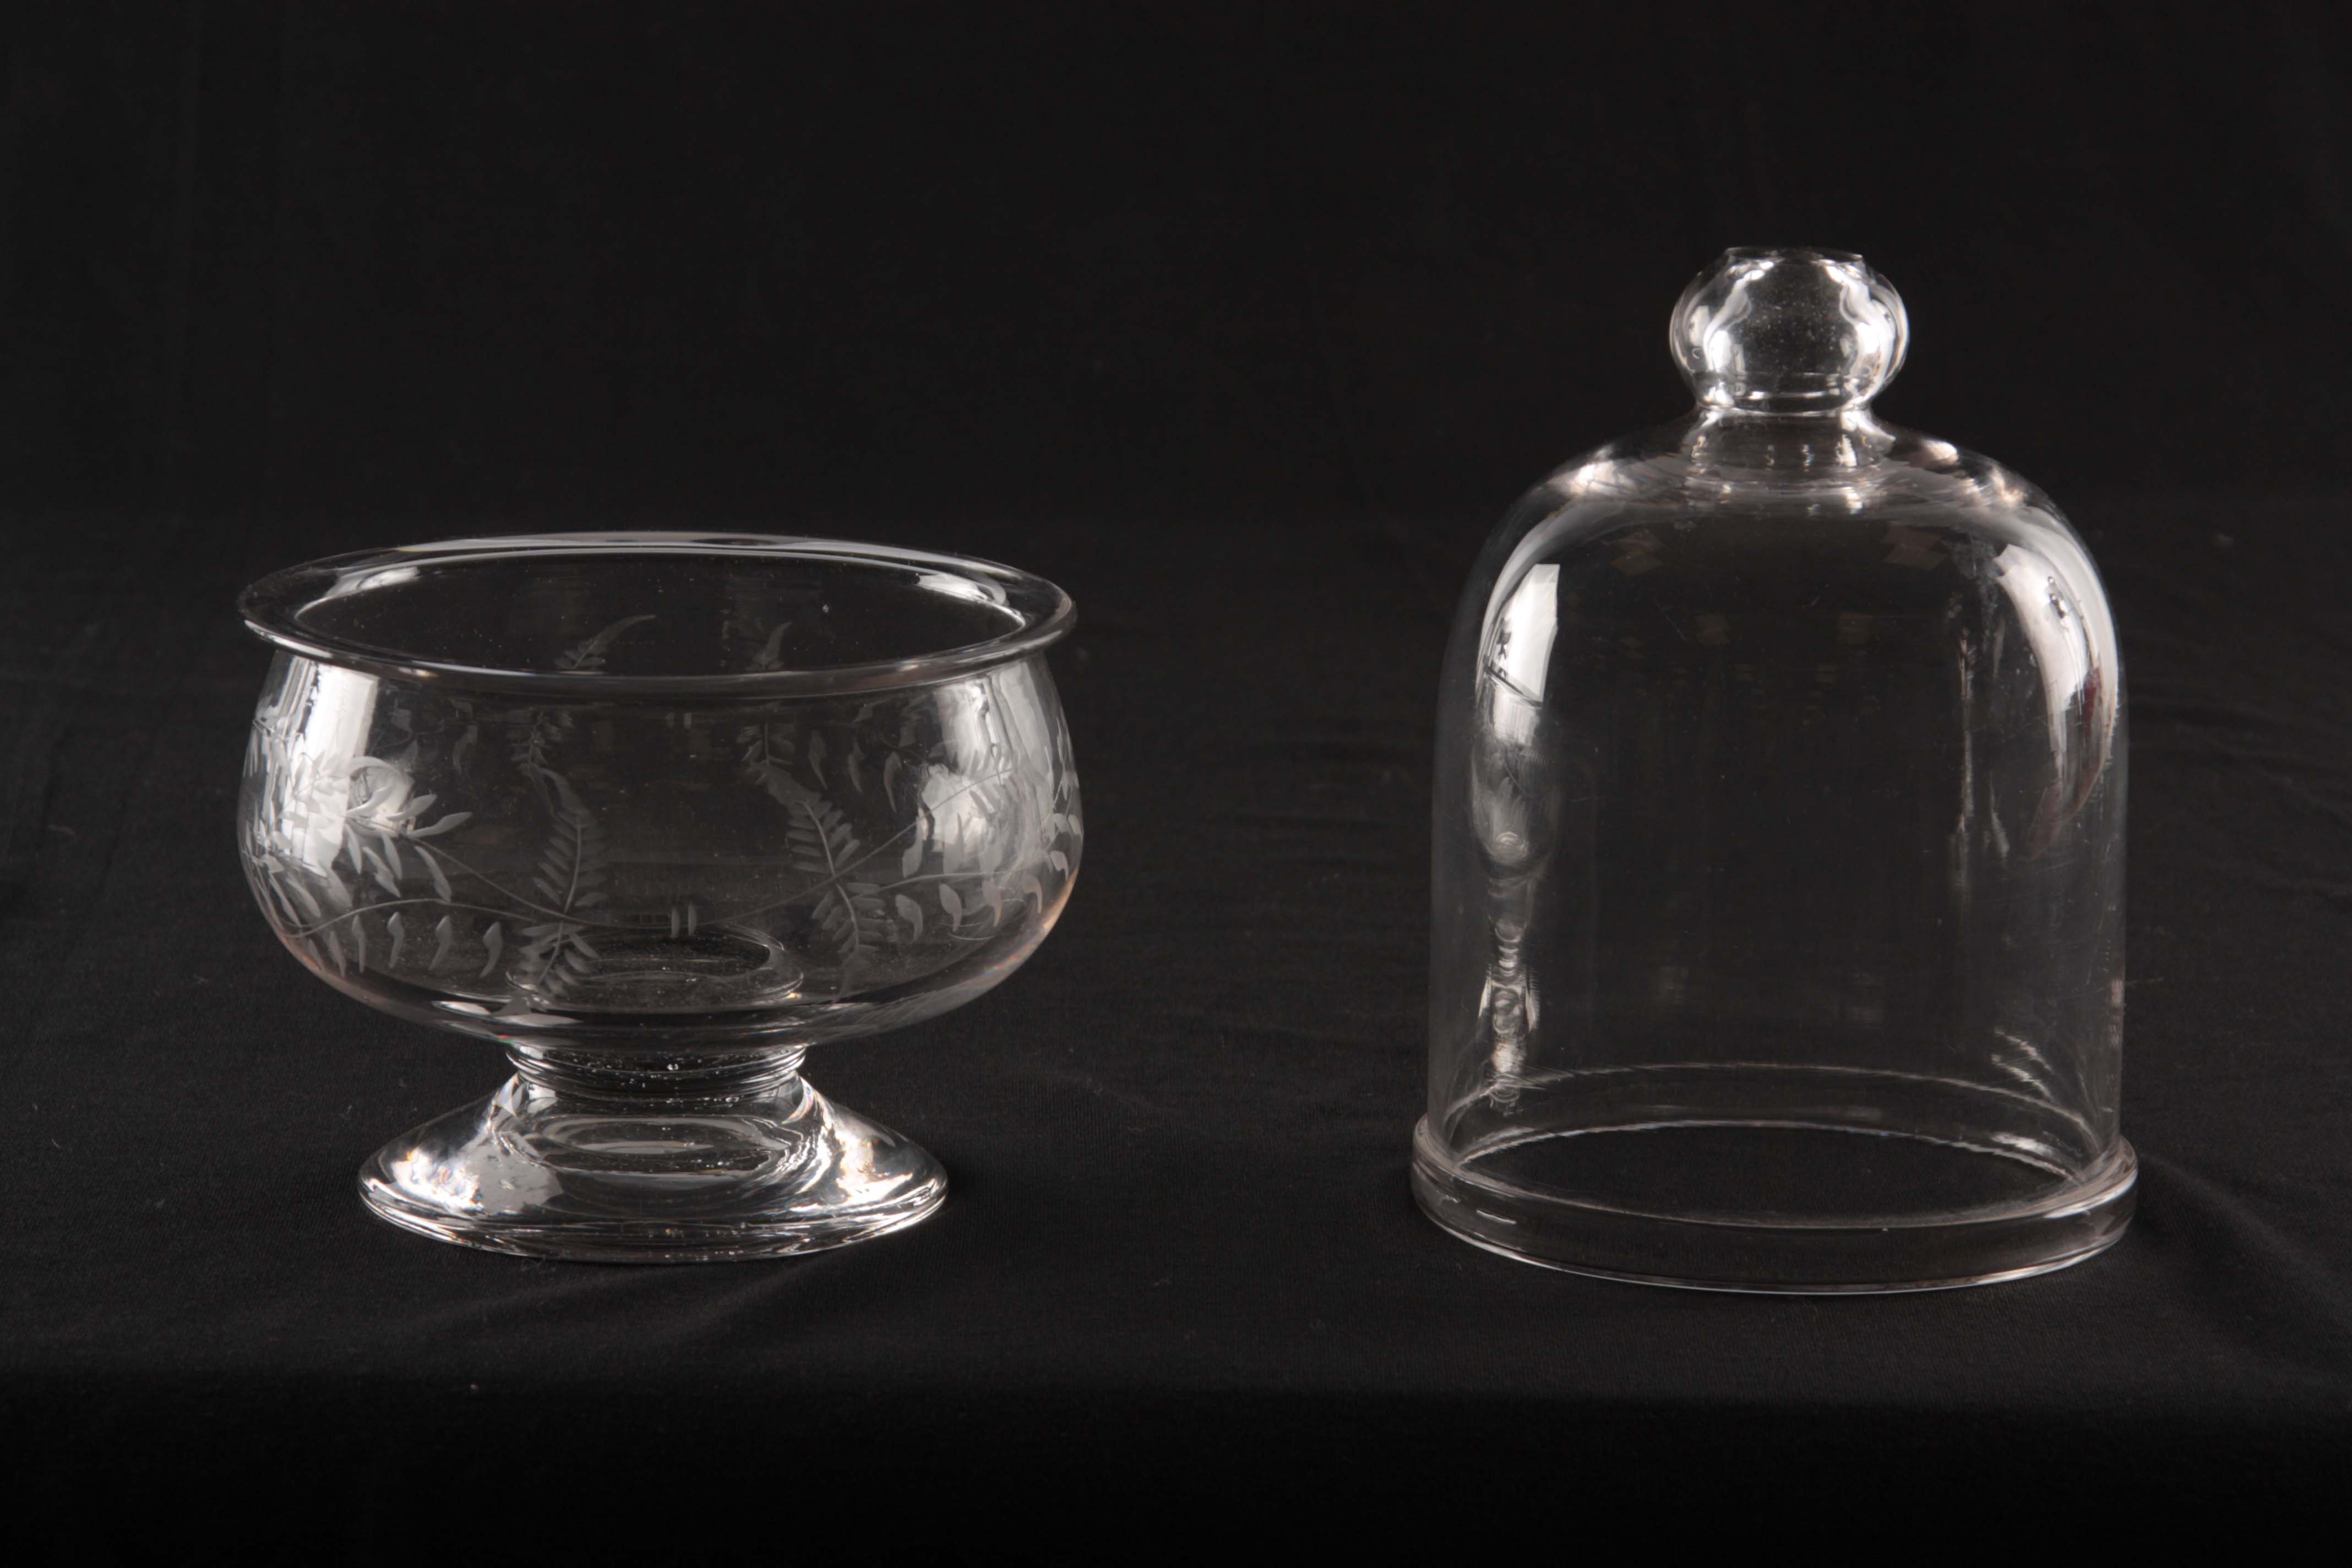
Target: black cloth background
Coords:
[[1243, 331]]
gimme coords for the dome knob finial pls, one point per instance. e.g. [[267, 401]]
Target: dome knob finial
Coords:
[[1789, 330]]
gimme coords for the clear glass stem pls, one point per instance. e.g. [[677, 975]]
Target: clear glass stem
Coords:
[[707, 1082]]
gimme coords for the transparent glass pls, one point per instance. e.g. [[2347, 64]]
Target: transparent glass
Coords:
[[657, 813], [1778, 937]]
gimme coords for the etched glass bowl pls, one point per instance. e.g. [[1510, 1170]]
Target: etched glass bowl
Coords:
[[657, 813]]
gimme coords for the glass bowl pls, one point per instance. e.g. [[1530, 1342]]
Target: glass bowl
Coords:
[[657, 812]]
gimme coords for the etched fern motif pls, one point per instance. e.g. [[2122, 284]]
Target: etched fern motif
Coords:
[[342, 840], [849, 913], [570, 882], [360, 810], [768, 745], [538, 729], [570, 876], [947, 867], [905, 832]]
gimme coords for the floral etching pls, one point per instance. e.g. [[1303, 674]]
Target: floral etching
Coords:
[[875, 841]]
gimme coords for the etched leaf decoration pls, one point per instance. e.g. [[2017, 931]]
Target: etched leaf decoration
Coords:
[[572, 858], [991, 893], [444, 937], [912, 859], [570, 879], [440, 878], [816, 757], [589, 656], [533, 736], [836, 921], [1032, 889], [335, 953], [771, 652], [819, 839], [872, 920], [398, 930], [283, 907], [1059, 861], [891, 767], [359, 944], [494, 941], [542, 954], [951, 901], [311, 908], [850, 917], [913, 913], [454, 820], [764, 761]]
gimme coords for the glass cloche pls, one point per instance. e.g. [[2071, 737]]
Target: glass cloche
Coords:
[[1780, 840]]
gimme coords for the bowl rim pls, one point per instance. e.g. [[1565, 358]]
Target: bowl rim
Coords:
[[271, 608]]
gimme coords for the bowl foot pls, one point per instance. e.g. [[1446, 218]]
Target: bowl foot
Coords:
[[635, 1166]]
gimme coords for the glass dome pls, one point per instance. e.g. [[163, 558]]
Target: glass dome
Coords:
[[1777, 931]]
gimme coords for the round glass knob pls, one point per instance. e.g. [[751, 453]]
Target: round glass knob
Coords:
[[1789, 332]]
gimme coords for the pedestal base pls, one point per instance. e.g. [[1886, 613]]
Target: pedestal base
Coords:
[[688, 1163]]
